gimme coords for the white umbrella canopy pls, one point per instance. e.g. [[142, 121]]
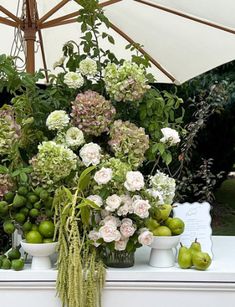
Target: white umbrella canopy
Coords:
[[182, 38]]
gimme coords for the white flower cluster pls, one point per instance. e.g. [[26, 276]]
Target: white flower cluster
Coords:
[[126, 82], [88, 67], [73, 79], [57, 120], [74, 137], [90, 154], [134, 181], [162, 188], [170, 136]]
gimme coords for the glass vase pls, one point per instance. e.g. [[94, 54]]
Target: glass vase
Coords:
[[119, 259]]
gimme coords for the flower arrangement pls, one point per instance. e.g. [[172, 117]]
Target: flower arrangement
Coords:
[[84, 170]]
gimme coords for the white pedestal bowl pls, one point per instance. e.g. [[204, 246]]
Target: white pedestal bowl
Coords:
[[162, 254], [40, 254]]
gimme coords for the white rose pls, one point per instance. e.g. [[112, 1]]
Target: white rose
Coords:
[[121, 245], [57, 120], [123, 210], [127, 230], [73, 80], [134, 181], [90, 154], [109, 233], [74, 137], [59, 63], [111, 220], [170, 136], [145, 237], [113, 202], [127, 221], [88, 67], [96, 199], [103, 176], [141, 208]]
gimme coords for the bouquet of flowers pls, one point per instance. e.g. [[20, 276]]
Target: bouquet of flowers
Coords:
[[73, 164]]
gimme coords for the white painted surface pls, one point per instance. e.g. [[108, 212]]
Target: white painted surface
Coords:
[[139, 286]]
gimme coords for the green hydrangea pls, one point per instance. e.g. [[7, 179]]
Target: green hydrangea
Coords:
[[53, 163], [9, 131], [127, 82], [129, 142], [92, 113]]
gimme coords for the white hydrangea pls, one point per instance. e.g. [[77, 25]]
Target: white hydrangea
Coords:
[[74, 137], [103, 176], [57, 120], [134, 181], [90, 154], [96, 199], [164, 185], [73, 80], [113, 202], [88, 67], [170, 136]]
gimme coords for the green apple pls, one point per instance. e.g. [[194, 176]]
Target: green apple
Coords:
[[176, 226], [162, 231]]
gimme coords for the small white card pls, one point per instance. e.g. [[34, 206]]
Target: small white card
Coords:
[[197, 219]]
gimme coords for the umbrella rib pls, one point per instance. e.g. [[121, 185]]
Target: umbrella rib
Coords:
[[8, 22], [61, 23], [184, 15], [141, 50], [53, 11], [9, 14]]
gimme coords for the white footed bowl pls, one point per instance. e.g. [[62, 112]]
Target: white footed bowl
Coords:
[[40, 253], [162, 254]]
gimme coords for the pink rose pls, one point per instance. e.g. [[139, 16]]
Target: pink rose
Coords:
[[127, 230], [109, 233], [141, 208], [145, 237]]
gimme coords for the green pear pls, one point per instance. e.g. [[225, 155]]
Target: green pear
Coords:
[[195, 247], [162, 231], [201, 261], [165, 211], [176, 226], [151, 224], [184, 257], [167, 221]]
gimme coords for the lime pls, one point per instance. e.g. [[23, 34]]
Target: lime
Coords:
[[34, 212], [22, 191], [33, 198], [49, 213], [48, 240], [25, 211], [34, 227], [37, 205], [29, 206], [9, 197], [3, 207], [38, 190], [6, 264], [8, 227], [33, 236], [20, 218], [17, 264], [14, 253], [19, 201], [44, 195], [27, 226], [46, 229], [49, 202]]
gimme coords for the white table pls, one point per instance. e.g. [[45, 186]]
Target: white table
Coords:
[[138, 286]]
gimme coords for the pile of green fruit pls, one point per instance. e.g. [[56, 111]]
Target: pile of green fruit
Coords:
[[30, 211], [193, 257], [161, 224], [12, 260]]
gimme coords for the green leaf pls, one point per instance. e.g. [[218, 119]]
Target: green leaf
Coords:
[[3, 169], [85, 178], [23, 177], [161, 148], [85, 215]]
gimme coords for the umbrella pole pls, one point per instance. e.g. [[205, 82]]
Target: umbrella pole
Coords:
[[30, 38]]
